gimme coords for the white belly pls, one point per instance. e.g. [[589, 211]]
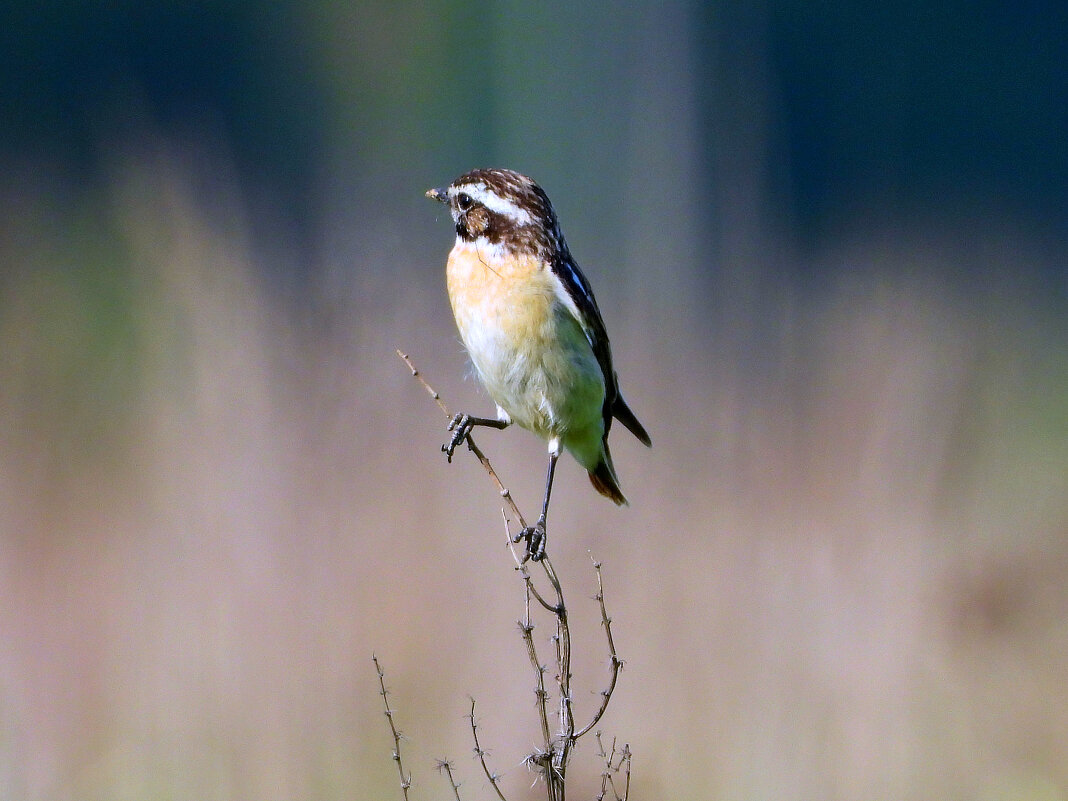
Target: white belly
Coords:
[[547, 380], [528, 350]]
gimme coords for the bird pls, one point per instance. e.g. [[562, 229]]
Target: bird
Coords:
[[531, 326]]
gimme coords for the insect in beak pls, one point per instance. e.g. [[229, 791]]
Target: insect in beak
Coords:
[[438, 194]]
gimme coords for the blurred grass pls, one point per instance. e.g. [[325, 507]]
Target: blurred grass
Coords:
[[213, 512], [842, 573]]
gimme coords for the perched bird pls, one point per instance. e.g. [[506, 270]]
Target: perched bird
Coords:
[[531, 326]]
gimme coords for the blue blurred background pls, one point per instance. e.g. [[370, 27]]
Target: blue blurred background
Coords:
[[830, 242]]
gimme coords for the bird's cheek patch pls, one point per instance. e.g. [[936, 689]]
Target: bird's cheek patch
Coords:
[[478, 221]]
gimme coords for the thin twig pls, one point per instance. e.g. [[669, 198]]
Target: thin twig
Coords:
[[521, 566], [526, 630], [405, 780], [616, 662], [540, 693], [606, 774], [445, 766], [612, 768], [563, 679], [481, 754], [553, 760], [482, 458]]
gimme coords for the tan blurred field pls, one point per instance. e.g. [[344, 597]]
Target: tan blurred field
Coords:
[[842, 575]]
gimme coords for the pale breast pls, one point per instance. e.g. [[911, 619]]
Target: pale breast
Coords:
[[529, 351]]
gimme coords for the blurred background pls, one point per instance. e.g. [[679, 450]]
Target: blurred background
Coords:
[[830, 242]]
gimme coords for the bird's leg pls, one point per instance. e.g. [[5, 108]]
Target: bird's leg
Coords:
[[461, 426], [535, 535]]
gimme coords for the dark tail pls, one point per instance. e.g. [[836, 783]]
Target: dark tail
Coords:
[[603, 478], [623, 414]]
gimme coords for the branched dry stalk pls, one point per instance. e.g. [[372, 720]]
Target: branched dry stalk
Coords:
[[614, 761], [552, 757]]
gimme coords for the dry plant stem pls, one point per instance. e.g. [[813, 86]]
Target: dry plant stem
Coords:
[[526, 628], [503, 490], [480, 752], [606, 774], [612, 767], [553, 760], [445, 766], [405, 780], [616, 662], [557, 751], [521, 566], [563, 681]]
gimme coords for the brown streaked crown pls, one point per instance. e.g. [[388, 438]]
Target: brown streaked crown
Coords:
[[506, 208]]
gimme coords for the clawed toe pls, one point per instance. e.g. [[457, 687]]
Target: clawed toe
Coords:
[[461, 426], [535, 539]]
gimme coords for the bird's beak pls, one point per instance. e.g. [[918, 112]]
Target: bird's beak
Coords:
[[440, 195]]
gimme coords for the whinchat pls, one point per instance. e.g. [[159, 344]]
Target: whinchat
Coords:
[[531, 326]]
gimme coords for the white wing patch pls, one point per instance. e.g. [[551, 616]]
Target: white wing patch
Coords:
[[569, 302]]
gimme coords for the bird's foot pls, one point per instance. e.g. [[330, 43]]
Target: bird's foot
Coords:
[[460, 426], [535, 539]]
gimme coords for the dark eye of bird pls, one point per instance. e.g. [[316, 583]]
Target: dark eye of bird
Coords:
[[464, 201]]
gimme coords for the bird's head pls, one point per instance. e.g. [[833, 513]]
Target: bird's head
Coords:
[[502, 207]]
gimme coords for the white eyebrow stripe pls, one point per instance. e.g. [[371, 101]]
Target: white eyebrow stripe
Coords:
[[494, 202]]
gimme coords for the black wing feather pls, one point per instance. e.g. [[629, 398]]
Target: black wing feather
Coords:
[[581, 293]]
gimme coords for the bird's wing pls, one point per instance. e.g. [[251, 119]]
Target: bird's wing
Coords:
[[578, 298]]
